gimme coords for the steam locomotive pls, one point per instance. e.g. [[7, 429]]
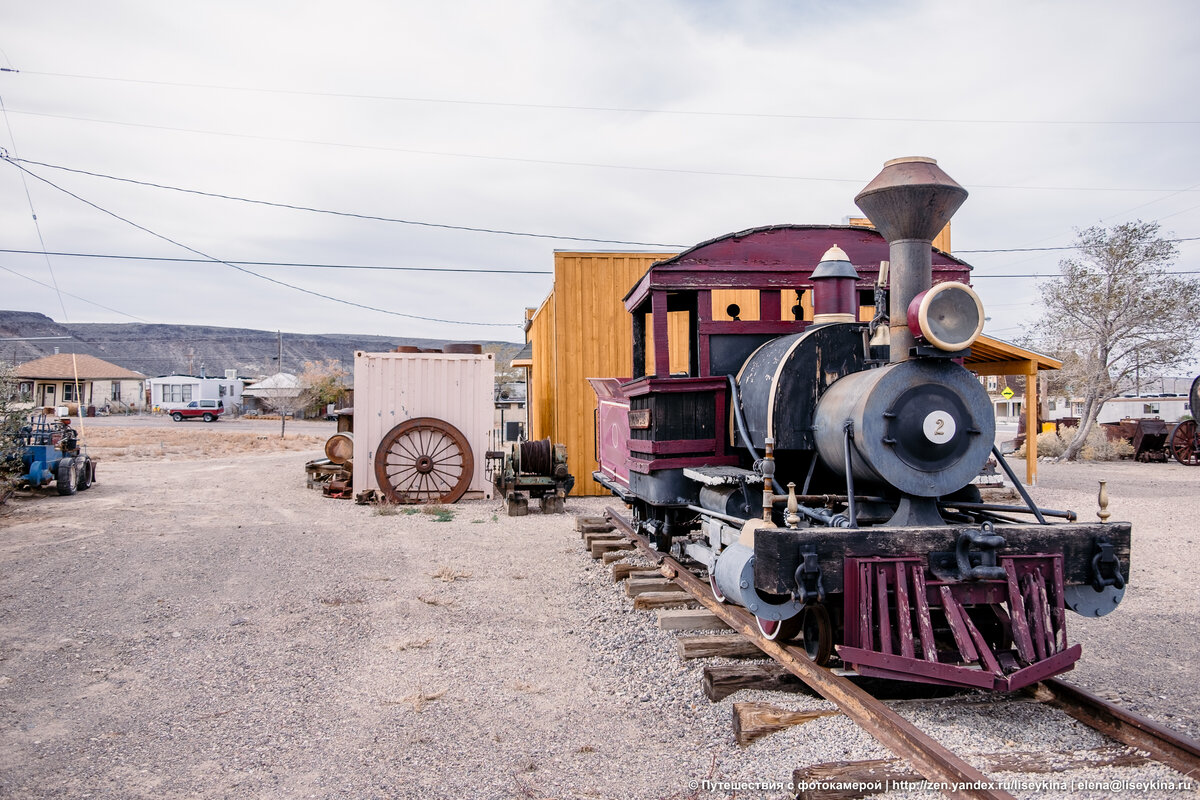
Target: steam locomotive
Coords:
[[819, 469]]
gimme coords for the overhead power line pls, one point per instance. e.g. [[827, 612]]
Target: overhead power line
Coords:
[[610, 109], [373, 217], [321, 295], [284, 263]]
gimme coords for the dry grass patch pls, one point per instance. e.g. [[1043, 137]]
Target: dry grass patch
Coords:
[[450, 575], [193, 443]]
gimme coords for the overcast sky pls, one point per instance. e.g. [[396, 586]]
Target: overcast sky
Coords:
[[649, 122]]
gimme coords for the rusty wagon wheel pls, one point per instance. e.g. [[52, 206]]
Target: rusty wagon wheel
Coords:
[[424, 460], [1185, 445]]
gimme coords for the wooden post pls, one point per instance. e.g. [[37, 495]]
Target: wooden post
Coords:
[[1031, 422]]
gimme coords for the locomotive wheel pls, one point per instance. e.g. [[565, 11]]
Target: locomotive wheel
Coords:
[[817, 630], [424, 460], [779, 629], [1184, 445], [712, 584]]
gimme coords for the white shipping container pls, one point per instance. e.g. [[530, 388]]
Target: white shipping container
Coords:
[[392, 388]]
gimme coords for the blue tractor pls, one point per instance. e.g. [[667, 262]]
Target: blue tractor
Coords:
[[51, 452]]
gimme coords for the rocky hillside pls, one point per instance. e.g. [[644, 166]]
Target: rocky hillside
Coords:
[[194, 349]]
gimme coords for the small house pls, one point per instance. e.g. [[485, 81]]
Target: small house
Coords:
[[76, 379]]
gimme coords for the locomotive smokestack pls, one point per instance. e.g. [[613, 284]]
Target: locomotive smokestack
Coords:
[[909, 202]]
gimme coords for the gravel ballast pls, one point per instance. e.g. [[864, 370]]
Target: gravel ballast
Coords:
[[212, 628]]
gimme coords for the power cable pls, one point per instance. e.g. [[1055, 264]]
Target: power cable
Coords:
[[351, 214], [68, 294], [286, 263], [231, 265]]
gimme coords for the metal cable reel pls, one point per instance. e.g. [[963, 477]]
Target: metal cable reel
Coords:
[[531, 469]]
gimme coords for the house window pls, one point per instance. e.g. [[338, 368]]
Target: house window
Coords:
[[187, 392], [221, 390], [1149, 408], [116, 390], [1077, 409], [1053, 405], [25, 391], [70, 392], [992, 383]]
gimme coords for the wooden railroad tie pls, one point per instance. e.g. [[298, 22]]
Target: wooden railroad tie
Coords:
[[717, 646], [621, 571], [587, 525], [721, 681], [754, 720], [601, 546], [690, 619], [651, 600], [885, 772], [601, 536], [637, 585], [616, 555]]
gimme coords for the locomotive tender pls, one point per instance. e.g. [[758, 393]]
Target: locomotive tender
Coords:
[[819, 468]]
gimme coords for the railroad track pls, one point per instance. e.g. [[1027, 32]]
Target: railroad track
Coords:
[[925, 757]]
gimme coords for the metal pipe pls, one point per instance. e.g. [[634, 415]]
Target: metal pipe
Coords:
[[718, 515], [1012, 476], [1049, 512], [851, 508], [735, 398]]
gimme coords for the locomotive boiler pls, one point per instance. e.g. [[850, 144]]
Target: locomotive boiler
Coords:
[[819, 468]]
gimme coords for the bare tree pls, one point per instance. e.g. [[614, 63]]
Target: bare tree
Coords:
[[281, 394], [323, 382], [1116, 312]]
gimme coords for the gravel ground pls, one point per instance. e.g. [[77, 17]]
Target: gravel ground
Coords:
[[211, 628]]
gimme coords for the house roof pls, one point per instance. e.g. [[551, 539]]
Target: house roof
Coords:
[[283, 382], [991, 356], [69, 366]]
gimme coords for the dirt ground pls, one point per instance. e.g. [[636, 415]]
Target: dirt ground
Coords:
[[208, 627]]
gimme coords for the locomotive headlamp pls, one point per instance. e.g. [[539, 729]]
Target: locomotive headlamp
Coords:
[[949, 316]]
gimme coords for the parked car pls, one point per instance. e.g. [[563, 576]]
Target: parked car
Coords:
[[207, 410]]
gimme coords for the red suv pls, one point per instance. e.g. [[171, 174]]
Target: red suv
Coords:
[[207, 410]]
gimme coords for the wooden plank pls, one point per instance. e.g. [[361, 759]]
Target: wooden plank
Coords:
[[721, 681], [639, 586], [652, 600], [840, 780], [602, 547], [607, 536], [582, 524], [584, 530], [755, 720], [622, 571], [716, 646], [690, 619]]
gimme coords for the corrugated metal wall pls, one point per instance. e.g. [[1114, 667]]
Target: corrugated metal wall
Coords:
[[391, 388]]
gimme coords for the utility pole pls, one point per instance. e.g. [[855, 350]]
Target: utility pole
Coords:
[[280, 360]]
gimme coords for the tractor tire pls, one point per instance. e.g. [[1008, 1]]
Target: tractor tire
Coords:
[[67, 477], [85, 474], [177, 417]]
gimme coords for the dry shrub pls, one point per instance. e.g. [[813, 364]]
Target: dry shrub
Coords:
[[1050, 444], [1097, 447]]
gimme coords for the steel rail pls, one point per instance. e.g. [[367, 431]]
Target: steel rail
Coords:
[[1164, 745], [933, 761]]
